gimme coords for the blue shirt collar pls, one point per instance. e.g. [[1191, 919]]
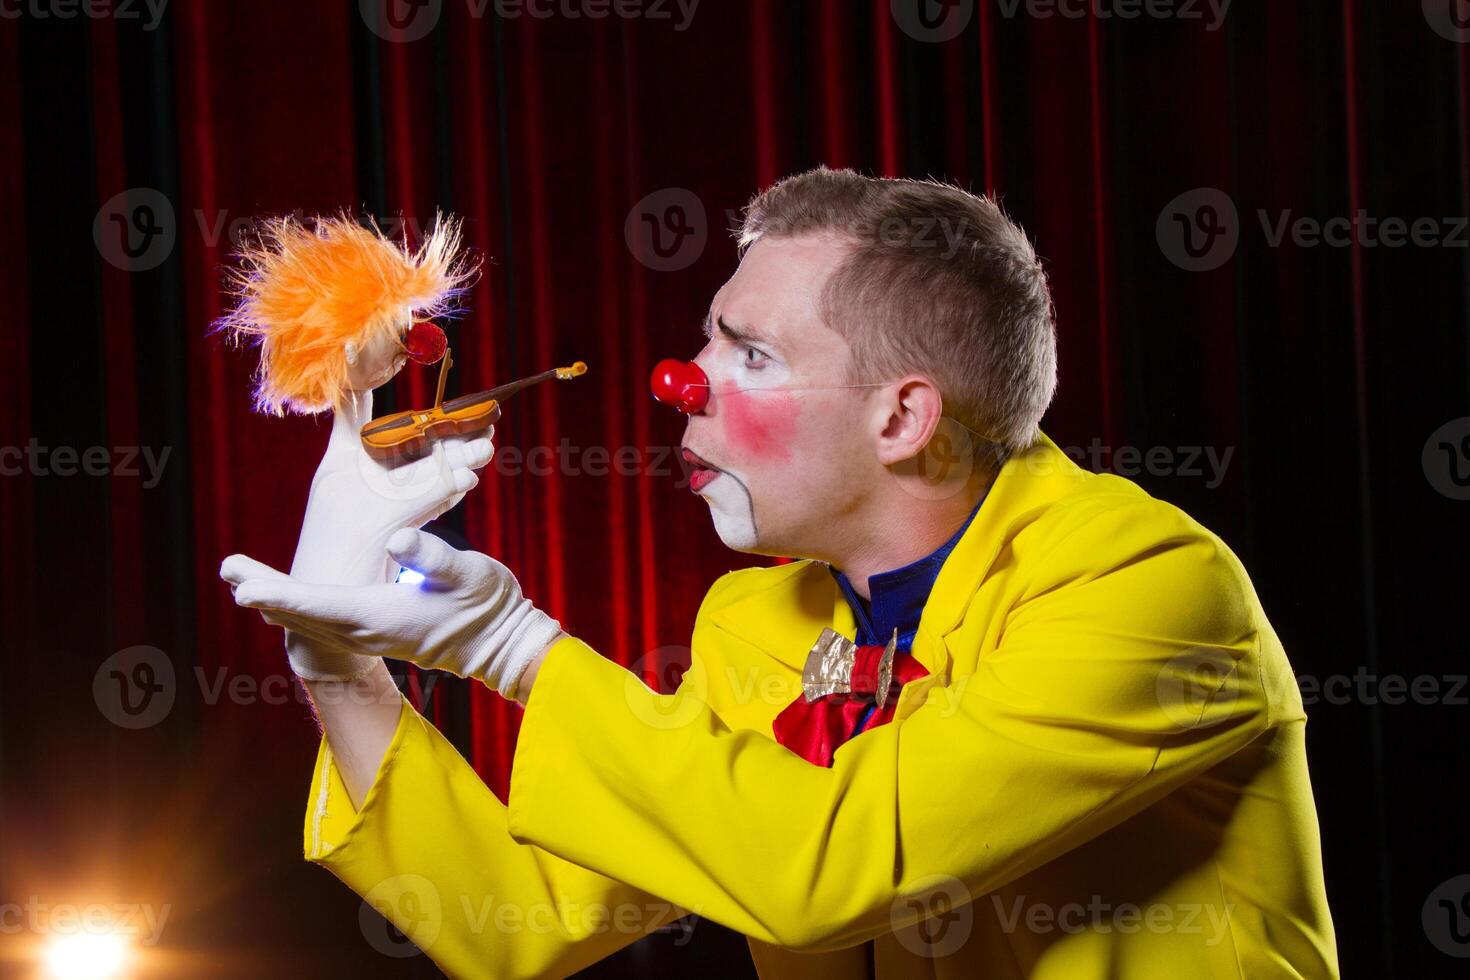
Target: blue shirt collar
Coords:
[[899, 596]]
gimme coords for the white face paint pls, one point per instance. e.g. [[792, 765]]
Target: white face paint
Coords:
[[789, 461], [732, 511]]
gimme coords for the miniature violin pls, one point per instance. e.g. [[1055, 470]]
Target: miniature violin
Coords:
[[412, 433]]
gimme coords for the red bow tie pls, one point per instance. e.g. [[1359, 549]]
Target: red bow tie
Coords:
[[841, 682]]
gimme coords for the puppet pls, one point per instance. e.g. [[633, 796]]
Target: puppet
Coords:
[[337, 309]]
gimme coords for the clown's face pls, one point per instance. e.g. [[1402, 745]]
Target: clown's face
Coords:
[[783, 472], [376, 363]]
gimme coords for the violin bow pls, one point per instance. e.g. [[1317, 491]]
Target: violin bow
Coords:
[[502, 392]]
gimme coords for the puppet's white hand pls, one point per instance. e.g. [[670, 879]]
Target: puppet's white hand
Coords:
[[468, 616], [356, 504]]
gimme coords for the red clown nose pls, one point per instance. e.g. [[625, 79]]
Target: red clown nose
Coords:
[[425, 343], [682, 384]]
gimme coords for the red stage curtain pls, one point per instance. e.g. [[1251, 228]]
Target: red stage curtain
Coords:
[[1323, 370]]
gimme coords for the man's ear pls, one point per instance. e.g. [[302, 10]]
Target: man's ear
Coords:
[[350, 349], [911, 412]]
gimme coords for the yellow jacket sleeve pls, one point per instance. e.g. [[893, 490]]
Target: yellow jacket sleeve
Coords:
[[429, 849], [1072, 723]]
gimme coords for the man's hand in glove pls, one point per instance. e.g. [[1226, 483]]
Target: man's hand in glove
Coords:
[[467, 617], [356, 505]]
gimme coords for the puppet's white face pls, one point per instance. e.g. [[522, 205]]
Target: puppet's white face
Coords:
[[376, 363]]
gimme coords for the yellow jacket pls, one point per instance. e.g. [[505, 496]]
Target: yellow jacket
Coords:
[[1103, 775]]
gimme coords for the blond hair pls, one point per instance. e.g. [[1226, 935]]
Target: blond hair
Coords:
[[937, 281]]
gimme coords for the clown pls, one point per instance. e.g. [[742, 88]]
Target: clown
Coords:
[[1003, 718]]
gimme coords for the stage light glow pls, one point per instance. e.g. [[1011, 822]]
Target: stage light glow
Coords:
[[410, 577], [89, 956]]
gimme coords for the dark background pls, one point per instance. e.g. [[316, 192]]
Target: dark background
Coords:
[[1324, 370]]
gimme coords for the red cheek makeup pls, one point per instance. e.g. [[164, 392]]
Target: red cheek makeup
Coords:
[[763, 426], [760, 426]]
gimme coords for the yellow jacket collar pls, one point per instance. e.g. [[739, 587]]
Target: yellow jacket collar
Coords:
[[788, 610]]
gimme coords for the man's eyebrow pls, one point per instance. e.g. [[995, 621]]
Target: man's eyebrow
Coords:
[[737, 334]]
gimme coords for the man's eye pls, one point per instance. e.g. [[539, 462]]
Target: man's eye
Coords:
[[754, 357]]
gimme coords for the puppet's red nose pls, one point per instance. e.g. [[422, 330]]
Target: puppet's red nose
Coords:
[[425, 343], [682, 384]]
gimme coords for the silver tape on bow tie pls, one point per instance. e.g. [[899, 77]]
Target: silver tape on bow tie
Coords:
[[829, 667], [885, 669]]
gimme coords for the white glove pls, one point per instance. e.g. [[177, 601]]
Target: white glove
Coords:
[[356, 504], [467, 617]]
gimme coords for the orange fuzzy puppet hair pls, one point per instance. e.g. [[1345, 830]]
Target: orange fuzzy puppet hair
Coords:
[[304, 289]]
